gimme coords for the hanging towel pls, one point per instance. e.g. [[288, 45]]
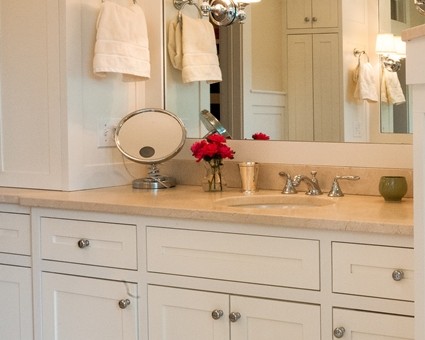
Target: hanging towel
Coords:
[[175, 44], [365, 82], [391, 91], [197, 56], [122, 44]]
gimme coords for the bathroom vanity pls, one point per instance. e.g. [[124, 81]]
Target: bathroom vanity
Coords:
[[176, 264]]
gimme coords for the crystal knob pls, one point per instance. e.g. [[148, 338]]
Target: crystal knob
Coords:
[[339, 332], [124, 303], [398, 275], [307, 19], [234, 316], [217, 314], [314, 19], [83, 243]]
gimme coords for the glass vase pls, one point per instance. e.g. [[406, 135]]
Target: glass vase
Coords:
[[213, 179]]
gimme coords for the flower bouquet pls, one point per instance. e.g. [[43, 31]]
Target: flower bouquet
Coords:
[[212, 150]]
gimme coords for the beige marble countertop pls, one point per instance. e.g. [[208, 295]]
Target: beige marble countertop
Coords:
[[351, 212]]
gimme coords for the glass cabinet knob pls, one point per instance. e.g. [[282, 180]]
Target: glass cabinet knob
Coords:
[[234, 316], [124, 303], [398, 275], [339, 332], [83, 243], [217, 314]]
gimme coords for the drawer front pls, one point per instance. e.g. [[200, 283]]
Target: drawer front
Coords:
[[245, 258], [109, 244], [359, 325], [368, 270], [15, 234]]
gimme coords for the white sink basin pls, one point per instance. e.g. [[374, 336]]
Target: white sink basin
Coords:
[[275, 201]]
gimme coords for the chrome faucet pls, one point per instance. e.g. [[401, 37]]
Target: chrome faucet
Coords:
[[312, 183], [289, 187]]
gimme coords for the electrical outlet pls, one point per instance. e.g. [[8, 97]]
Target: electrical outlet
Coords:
[[357, 130], [106, 133]]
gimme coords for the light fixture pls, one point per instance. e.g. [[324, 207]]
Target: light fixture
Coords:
[[391, 49], [221, 12], [420, 6]]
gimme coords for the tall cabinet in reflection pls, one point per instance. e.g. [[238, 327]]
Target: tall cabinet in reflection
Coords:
[[313, 71]]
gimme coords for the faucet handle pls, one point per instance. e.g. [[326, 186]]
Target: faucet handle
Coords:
[[289, 186], [336, 189], [313, 177]]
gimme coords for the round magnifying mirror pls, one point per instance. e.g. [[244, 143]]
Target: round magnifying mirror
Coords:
[[213, 125], [151, 136]]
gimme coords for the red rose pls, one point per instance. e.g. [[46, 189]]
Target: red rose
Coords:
[[213, 148], [260, 136]]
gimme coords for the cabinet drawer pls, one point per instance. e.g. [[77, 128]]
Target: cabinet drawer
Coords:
[[367, 325], [245, 258], [368, 270], [110, 244], [15, 232]]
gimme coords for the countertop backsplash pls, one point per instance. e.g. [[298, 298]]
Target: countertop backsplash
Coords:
[[190, 173]]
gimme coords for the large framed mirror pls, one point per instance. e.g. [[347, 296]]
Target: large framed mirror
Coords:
[[255, 95]]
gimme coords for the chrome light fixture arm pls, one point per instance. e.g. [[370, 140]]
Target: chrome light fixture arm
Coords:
[[221, 12]]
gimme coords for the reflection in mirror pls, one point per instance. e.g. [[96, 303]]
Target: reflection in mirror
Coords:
[[263, 89], [396, 16], [213, 125], [150, 136]]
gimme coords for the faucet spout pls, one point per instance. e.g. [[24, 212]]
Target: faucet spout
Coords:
[[313, 185]]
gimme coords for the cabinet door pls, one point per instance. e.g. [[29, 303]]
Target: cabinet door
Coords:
[[298, 13], [300, 87], [312, 13], [15, 303], [325, 13], [179, 314], [359, 325], [270, 320], [326, 88], [78, 308]]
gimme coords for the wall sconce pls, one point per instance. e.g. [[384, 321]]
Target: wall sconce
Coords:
[[221, 12], [391, 49], [420, 6]]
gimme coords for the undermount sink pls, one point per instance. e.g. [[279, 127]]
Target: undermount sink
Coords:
[[275, 201]]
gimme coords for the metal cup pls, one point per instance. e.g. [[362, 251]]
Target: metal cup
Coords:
[[249, 176]]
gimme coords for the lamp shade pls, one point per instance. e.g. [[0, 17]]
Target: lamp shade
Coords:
[[399, 47], [385, 43]]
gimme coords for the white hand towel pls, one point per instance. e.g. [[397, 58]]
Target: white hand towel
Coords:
[[391, 91], [365, 83], [197, 56], [122, 44], [175, 44], [200, 60]]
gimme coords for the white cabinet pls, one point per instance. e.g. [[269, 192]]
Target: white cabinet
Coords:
[[314, 98], [16, 303], [52, 106], [312, 13], [89, 289], [178, 314], [375, 271], [244, 258], [371, 270], [16, 317], [79, 308], [360, 325]]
